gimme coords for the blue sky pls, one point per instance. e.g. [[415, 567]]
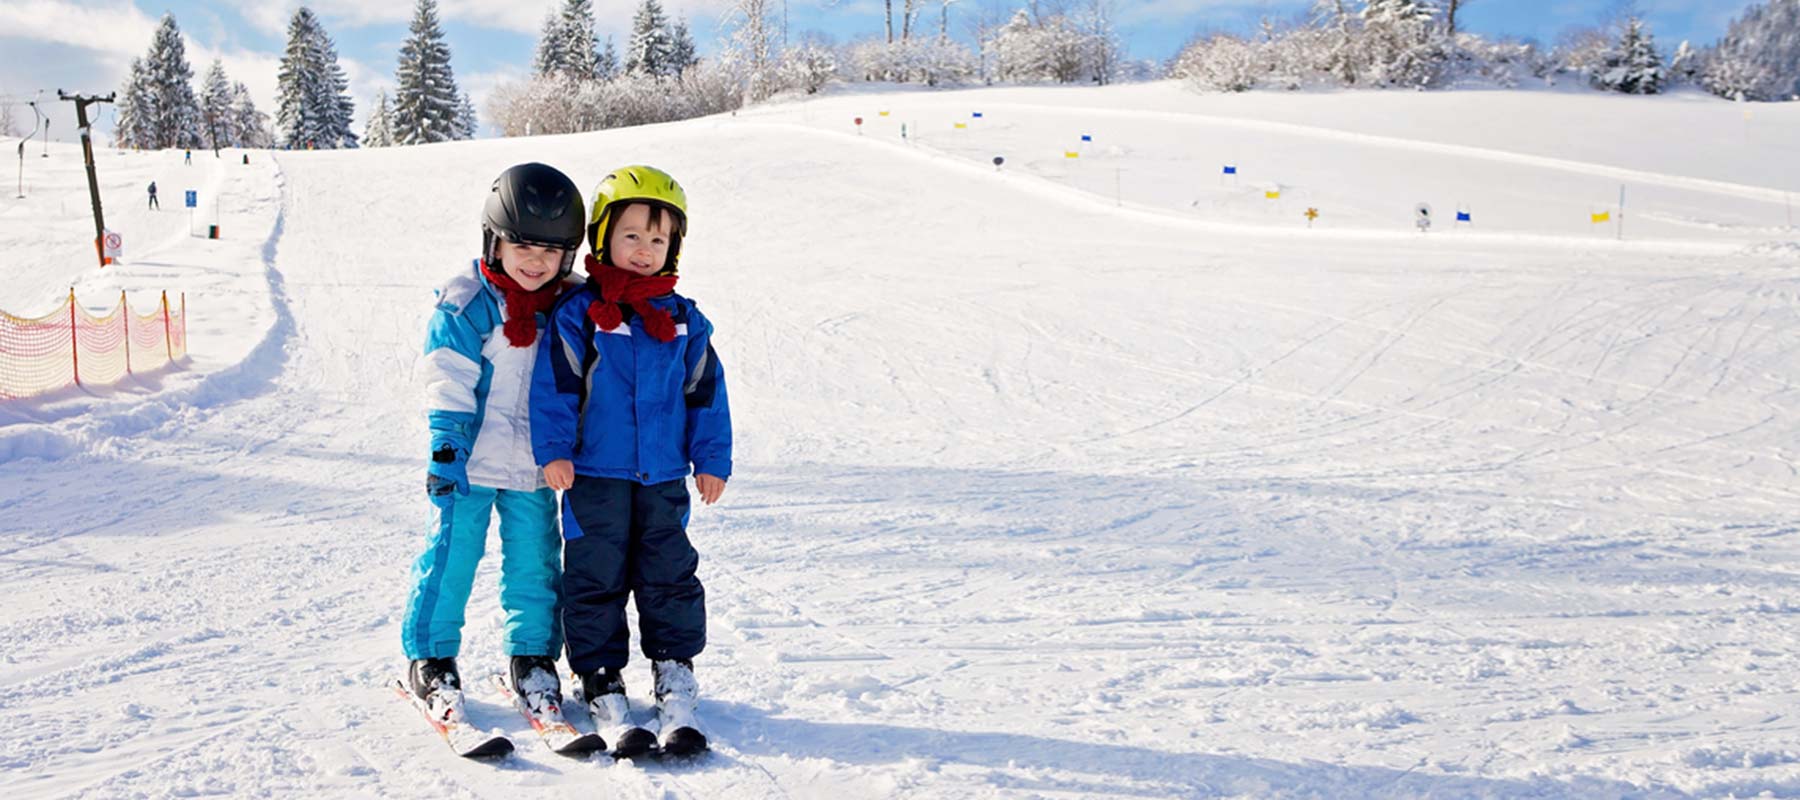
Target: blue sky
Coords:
[[86, 45]]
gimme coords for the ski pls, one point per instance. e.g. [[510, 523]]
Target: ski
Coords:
[[464, 739], [558, 735]]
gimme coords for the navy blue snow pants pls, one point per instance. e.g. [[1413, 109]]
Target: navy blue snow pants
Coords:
[[624, 537]]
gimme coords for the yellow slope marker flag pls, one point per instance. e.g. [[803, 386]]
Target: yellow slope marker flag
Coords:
[[1272, 194], [1604, 216], [962, 125], [1071, 154]]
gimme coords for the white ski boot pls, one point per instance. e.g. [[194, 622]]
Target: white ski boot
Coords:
[[677, 706], [604, 693]]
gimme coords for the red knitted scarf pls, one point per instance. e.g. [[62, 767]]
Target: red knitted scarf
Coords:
[[618, 287], [522, 307]]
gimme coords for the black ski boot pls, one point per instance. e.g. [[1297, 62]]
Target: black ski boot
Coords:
[[536, 675], [604, 692], [429, 675]]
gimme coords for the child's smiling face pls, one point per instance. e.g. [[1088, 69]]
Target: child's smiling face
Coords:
[[640, 238], [530, 265]]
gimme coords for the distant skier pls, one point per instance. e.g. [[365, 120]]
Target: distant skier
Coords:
[[480, 349], [153, 203], [629, 397], [187, 157]]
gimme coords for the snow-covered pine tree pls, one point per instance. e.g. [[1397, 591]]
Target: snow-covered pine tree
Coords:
[[606, 68], [649, 49], [426, 102], [1684, 66], [218, 124], [379, 130], [136, 110], [467, 122], [549, 58], [567, 45], [682, 53], [1759, 57], [1632, 65], [313, 104], [251, 125], [174, 119]]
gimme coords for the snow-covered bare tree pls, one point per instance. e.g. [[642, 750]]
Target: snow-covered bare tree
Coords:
[[313, 99], [427, 105], [1400, 44], [1221, 63], [1451, 9], [1104, 50], [558, 104], [751, 44], [807, 67], [378, 131], [929, 60]]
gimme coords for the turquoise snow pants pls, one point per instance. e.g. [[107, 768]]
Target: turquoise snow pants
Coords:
[[530, 574]]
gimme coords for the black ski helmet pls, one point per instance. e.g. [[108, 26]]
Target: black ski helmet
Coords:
[[533, 204]]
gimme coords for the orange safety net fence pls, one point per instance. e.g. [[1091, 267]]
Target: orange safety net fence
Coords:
[[71, 346]]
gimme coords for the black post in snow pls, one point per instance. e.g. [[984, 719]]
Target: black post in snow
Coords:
[[87, 151]]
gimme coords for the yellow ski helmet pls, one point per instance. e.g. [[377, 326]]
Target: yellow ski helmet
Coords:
[[637, 184]]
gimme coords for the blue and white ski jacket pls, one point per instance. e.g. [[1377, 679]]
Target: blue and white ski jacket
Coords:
[[621, 404], [478, 386]]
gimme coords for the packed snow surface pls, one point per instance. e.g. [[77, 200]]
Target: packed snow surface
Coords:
[[1100, 476]]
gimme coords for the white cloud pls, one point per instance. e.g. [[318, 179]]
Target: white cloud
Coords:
[[116, 29]]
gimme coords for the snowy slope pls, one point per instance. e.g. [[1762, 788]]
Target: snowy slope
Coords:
[[1043, 491]]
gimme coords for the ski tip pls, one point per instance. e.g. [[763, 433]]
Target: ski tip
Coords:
[[583, 746], [685, 743], [635, 743], [496, 747]]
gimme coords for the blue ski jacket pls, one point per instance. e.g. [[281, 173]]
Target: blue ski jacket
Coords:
[[478, 386], [621, 404]]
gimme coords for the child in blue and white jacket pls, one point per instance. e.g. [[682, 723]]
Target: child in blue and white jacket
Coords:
[[480, 351], [629, 398]]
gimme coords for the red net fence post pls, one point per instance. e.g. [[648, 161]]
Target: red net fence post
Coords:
[[70, 346], [74, 341], [125, 322]]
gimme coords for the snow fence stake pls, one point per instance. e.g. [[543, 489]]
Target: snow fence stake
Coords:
[[1621, 224], [74, 341], [125, 320], [168, 342]]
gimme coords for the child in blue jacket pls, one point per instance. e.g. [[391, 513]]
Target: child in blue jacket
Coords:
[[480, 350], [629, 397]]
